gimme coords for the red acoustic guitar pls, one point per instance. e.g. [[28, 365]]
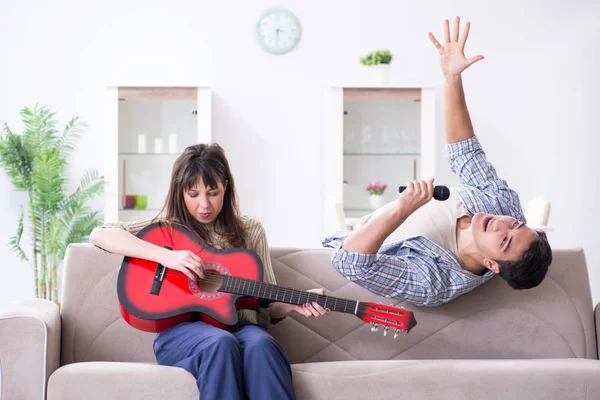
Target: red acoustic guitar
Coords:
[[153, 298]]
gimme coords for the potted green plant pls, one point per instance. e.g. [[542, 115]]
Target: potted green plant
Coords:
[[378, 62], [36, 163]]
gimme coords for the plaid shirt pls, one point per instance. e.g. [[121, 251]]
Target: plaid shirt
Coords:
[[416, 269]]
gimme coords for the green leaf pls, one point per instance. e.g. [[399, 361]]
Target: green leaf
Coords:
[[36, 161], [15, 241]]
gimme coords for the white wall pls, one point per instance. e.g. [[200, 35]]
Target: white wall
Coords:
[[533, 99]]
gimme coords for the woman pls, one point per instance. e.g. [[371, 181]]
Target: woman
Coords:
[[247, 363]]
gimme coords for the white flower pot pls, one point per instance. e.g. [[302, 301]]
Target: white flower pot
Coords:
[[380, 73], [375, 201]]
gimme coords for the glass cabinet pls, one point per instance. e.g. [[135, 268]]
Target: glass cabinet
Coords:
[[373, 135]]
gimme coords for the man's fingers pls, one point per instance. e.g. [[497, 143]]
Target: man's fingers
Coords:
[[456, 29], [434, 41], [473, 60], [465, 34], [447, 30]]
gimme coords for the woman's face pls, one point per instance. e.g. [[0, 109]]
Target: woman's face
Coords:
[[205, 203]]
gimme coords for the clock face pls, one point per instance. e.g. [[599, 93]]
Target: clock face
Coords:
[[278, 31]]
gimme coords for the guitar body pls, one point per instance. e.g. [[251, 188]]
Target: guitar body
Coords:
[[153, 298]]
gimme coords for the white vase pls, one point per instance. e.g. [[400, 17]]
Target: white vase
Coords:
[[380, 73], [375, 201]]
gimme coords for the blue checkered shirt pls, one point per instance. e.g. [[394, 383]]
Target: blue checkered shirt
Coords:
[[416, 269]]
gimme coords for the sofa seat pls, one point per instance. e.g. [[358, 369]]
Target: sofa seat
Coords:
[[389, 379], [448, 379], [121, 380]]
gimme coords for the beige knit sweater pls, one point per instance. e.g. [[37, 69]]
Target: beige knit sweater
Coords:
[[257, 239]]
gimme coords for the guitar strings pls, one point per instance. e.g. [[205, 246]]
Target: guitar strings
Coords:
[[291, 292]]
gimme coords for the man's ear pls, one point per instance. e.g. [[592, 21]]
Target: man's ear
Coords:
[[491, 265]]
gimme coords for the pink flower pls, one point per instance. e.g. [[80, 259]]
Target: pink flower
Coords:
[[376, 188]]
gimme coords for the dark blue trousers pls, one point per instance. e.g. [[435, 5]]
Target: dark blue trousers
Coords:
[[246, 364]]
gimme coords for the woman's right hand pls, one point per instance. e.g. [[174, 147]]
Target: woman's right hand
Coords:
[[184, 261]]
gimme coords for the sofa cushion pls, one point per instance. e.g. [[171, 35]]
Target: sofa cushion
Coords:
[[406, 379], [449, 379], [118, 380], [554, 320]]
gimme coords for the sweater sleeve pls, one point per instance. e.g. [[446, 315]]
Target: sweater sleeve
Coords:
[[133, 227], [260, 245]]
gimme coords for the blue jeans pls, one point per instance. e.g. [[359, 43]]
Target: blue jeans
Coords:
[[245, 364]]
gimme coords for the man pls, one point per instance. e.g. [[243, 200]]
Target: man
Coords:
[[430, 252]]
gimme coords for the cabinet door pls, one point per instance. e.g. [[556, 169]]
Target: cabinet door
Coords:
[[374, 138], [151, 128]]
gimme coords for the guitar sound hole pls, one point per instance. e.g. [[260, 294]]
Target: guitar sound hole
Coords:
[[212, 281]]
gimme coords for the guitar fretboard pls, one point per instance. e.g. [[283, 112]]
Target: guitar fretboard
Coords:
[[252, 288]]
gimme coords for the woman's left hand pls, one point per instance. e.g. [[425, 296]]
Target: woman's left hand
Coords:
[[280, 310]]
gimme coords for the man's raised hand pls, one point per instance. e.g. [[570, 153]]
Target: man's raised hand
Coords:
[[452, 53]]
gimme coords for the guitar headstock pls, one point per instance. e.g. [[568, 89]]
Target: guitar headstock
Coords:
[[398, 319]]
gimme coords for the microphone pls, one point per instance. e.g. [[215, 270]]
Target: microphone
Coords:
[[440, 192]]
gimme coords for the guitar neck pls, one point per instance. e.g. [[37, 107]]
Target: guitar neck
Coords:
[[268, 291]]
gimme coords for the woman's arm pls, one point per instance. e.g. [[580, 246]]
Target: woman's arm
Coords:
[[119, 238], [277, 311]]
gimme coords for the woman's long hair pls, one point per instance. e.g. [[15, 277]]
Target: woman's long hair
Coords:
[[206, 161]]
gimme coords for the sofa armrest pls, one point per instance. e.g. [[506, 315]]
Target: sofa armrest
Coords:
[[29, 347], [597, 321]]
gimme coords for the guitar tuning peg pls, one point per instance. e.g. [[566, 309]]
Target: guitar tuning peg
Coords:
[[374, 328], [385, 331], [396, 333]]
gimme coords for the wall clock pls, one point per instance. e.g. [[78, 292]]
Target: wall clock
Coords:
[[278, 31]]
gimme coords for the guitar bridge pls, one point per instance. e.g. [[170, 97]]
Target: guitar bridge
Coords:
[[159, 276]]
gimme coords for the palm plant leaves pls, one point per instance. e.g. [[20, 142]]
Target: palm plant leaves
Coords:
[[16, 158], [36, 161], [70, 137], [15, 241]]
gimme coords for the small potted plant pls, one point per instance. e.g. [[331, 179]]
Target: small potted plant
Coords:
[[378, 62], [376, 190]]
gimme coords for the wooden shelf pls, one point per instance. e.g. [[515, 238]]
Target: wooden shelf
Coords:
[[382, 94], [161, 93], [383, 154]]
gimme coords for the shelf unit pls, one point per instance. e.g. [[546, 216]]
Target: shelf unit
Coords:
[[156, 112], [374, 133]]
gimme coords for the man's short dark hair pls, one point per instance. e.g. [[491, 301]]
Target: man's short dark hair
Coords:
[[529, 270]]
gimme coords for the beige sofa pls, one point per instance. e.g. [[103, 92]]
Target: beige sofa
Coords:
[[491, 343]]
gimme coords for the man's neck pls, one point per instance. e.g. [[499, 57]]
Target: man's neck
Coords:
[[472, 260]]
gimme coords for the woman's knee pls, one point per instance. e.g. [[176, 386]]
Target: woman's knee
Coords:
[[262, 344], [225, 340]]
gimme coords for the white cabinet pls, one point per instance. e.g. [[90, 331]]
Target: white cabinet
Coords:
[[372, 134], [147, 129]]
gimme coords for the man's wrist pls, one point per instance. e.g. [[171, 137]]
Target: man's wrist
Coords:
[[401, 212], [452, 78]]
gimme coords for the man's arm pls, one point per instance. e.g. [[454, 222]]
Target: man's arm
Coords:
[[456, 114], [369, 238], [453, 62], [484, 191]]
